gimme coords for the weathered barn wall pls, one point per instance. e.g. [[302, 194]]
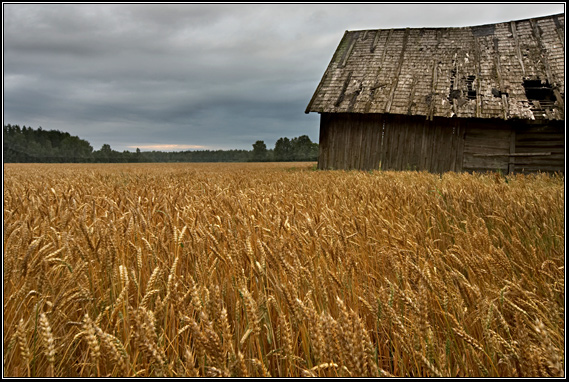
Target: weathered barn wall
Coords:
[[514, 146], [540, 138], [486, 145], [399, 142]]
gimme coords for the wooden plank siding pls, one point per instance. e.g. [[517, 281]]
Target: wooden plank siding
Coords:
[[403, 142], [389, 142], [547, 137], [483, 138]]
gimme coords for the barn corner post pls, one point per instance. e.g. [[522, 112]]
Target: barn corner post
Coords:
[[481, 98]]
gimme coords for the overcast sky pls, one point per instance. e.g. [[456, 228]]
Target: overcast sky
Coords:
[[182, 76]]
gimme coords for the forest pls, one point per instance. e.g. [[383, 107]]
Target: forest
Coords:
[[29, 145]]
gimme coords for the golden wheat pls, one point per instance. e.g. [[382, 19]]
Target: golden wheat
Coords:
[[277, 270]]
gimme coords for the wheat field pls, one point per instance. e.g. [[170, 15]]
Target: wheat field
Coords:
[[278, 270]]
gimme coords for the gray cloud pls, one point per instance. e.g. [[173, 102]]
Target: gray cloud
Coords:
[[215, 75]]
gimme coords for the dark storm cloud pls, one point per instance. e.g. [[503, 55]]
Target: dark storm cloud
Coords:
[[214, 75]]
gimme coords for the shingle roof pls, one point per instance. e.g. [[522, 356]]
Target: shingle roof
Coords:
[[486, 71]]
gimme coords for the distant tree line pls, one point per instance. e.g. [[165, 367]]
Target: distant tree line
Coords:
[[29, 145], [25, 144]]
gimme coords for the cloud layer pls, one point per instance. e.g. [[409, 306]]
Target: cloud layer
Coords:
[[215, 76]]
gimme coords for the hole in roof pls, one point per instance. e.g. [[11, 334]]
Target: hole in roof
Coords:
[[540, 94], [539, 91]]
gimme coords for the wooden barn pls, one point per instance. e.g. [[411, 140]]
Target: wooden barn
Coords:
[[479, 98]]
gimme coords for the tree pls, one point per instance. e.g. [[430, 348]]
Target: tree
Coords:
[[29, 145], [283, 150], [296, 149], [104, 154], [259, 151], [303, 149], [73, 149]]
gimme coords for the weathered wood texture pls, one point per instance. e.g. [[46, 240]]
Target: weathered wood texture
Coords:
[[485, 137], [389, 142], [467, 72], [517, 146], [548, 137], [398, 142]]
